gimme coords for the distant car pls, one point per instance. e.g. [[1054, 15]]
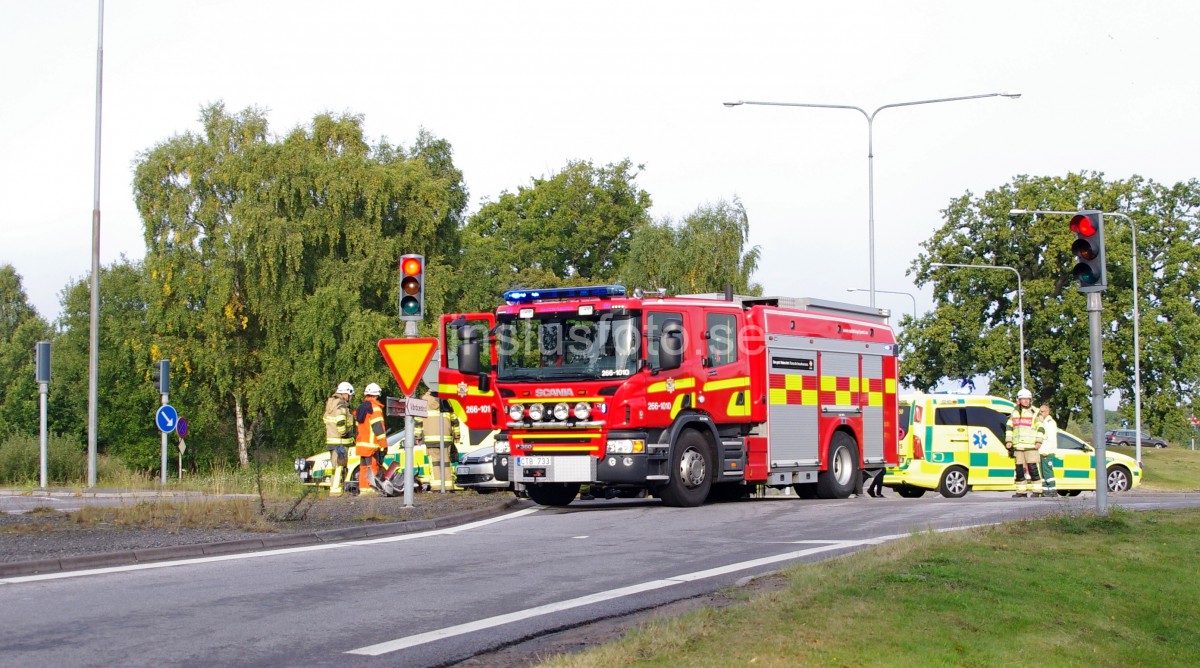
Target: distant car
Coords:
[[475, 472], [1129, 437]]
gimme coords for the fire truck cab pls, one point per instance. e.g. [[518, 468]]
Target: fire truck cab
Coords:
[[688, 398]]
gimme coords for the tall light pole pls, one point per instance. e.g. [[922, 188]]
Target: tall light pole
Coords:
[[891, 292], [1137, 363], [871, 151], [1020, 302], [94, 317]]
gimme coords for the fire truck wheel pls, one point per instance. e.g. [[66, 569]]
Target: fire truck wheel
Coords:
[[691, 472], [954, 483], [553, 494], [837, 481]]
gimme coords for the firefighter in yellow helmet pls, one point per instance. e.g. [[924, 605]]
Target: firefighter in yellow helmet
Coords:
[[1021, 437], [372, 439], [339, 432]]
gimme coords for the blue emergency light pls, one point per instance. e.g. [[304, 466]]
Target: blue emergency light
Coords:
[[527, 296]]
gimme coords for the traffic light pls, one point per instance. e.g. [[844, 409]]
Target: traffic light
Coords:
[[162, 376], [412, 287], [1088, 250]]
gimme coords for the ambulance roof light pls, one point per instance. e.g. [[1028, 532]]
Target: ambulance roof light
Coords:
[[527, 296]]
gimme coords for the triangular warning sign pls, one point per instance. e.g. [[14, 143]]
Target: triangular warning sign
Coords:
[[407, 358]]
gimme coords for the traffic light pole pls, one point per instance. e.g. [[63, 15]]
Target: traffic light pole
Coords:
[[1093, 308], [410, 441]]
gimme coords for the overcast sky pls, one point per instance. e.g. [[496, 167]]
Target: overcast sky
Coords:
[[520, 88]]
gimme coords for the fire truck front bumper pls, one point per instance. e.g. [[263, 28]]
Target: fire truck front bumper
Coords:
[[628, 460]]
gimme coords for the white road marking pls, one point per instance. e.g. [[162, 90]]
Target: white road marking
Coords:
[[550, 608], [470, 627], [265, 553]]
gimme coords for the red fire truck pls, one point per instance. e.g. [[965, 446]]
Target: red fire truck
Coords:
[[687, 398]]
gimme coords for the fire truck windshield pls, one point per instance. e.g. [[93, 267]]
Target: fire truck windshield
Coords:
[[566, 346]]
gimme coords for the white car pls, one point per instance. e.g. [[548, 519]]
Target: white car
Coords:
[[475, 472]]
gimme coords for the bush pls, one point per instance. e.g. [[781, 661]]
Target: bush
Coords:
[[20, 460]]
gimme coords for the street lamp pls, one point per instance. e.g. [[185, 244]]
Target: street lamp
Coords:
[[871, 151], [1020, 303], [1137, 363], [891, 292]]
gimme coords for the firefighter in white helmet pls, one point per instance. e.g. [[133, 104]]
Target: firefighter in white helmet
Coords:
[[339, 432], [372, 439], [1022, 439]]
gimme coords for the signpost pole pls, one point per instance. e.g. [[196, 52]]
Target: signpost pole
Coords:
[[164, 447], [410, 442]]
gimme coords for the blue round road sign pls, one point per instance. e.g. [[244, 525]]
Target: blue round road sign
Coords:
[[166, 419], [181, 427]]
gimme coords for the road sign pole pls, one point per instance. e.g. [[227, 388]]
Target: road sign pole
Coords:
[[163, 468], [43, 388], [410, 441]]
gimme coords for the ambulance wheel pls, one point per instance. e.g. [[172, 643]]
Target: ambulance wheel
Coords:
[[954, 483], [837, 482], [553, 494], [910, 492], [1118, 479], [691, 472]]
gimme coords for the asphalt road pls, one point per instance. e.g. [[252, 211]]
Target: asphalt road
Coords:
[[442, 596]]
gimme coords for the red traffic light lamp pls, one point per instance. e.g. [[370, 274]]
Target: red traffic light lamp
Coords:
[[1088, 250], [412, 287]]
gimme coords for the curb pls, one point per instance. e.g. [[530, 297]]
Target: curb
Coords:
[[194, 550]]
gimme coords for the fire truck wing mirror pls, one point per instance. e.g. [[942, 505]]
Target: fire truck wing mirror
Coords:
[[485, 382], [670, 345], [468, 352]]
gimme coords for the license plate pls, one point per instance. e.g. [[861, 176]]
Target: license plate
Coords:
[[533, 461], [463, 470]]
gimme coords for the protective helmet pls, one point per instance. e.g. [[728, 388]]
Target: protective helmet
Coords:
[[1024, 394], [344, 388], [372, 390]]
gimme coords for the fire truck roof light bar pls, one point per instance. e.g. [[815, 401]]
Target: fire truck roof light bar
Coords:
[[526, 296]]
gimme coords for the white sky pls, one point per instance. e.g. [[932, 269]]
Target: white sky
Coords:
[[520, 88]]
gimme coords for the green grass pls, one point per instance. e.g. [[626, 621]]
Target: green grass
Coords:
[[1167, 470], [1067, 591]]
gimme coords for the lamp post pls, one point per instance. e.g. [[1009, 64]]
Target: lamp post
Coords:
[[891, 292], [871, 151], [1137, 363], [1020, 303]]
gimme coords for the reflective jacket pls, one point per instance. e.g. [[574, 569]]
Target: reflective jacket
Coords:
[[371, 431], [339, 422], [1048, 435], [1022, 428]]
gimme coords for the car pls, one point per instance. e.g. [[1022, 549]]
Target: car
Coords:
[[475, 472], [1129, 437], [955, 444]]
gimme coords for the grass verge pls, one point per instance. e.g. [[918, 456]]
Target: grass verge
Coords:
[[1167, 469], [1066, 591]]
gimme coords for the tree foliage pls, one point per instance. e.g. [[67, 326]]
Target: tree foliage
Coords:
[[572, 228], [272, 263], [973, 330], [704, 253], [20, 329]]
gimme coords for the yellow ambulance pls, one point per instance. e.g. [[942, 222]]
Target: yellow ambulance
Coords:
[[955, 443]]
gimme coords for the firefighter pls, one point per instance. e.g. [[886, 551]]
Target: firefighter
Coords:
[[372, 439], [1047, 435], [1021, 439], [339, 432]]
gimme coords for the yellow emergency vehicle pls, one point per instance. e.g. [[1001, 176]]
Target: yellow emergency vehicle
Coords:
[[436, 436], [955, 443]]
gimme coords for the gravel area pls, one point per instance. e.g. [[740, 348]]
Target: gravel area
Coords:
[[44, 533]]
